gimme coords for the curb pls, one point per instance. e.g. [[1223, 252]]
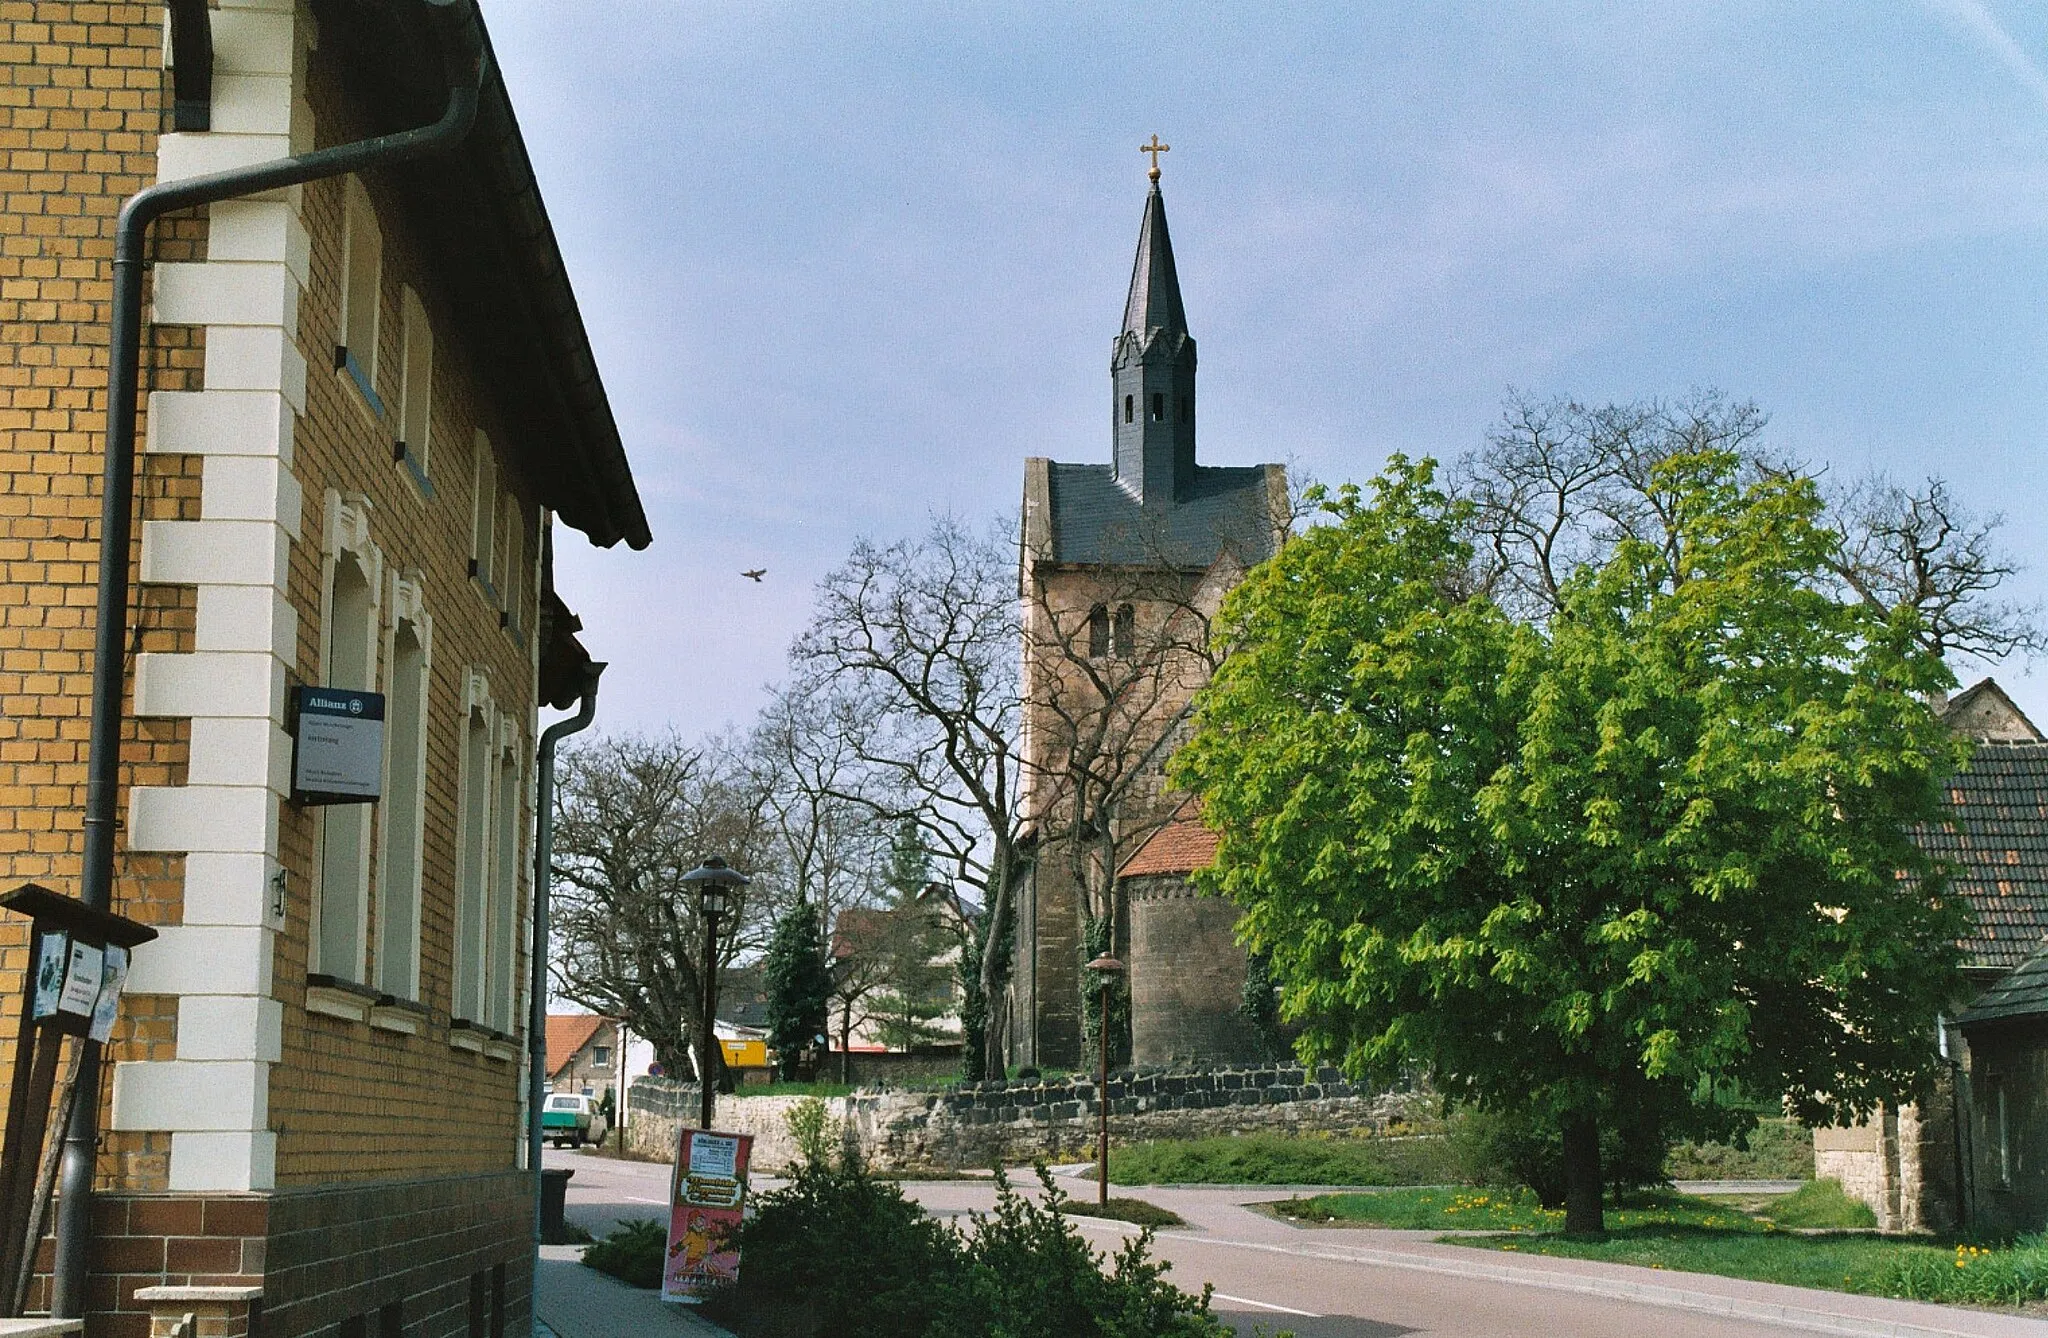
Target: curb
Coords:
[[1642, 1293]]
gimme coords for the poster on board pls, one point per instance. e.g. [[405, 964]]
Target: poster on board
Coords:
[[707, 1197]]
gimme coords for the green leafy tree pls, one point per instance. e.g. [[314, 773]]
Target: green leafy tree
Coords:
[[1583, 866], [799, 986]]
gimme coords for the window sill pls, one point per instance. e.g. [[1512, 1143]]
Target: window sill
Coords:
[[332, 997], [352, 371], [481, 1040], [409, 464], [404, 1016], [489, 591]]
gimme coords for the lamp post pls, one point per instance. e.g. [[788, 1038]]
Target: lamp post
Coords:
[[1106, 969], [715, 881]]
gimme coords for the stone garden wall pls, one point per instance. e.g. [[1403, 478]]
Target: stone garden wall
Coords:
[[971, 1126]]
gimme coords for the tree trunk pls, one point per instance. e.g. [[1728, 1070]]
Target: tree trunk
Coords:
[[1582, 1207]]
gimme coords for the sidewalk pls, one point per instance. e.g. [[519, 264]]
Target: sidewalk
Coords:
[[579, 1302]]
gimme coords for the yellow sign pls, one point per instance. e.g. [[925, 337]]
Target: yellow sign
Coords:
[[745, 1054]]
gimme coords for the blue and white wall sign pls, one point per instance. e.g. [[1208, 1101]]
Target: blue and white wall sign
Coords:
[[338, 746]]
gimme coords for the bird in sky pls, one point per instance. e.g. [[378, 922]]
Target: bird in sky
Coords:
[[755, 575]]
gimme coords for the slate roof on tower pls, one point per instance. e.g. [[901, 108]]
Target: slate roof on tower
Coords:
[[1153, 505]]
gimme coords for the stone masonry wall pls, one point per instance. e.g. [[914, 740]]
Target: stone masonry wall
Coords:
[[972, 1126]]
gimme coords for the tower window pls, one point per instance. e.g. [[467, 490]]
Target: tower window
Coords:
[[1098, 631], [1158, 407], [1126, 632], [1127, 408]]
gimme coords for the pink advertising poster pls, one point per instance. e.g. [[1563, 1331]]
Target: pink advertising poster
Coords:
[[706, 1199]]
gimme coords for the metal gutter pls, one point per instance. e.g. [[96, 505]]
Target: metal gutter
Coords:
[[537, 1003], [464, 64]]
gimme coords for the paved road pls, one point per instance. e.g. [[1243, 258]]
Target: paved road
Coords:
[[1348, 1283]]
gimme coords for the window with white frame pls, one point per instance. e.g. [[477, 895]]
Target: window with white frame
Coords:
[[415, 383], [473, 851], [402, 824], [352, 572], [362, 286], [483, 514], [501, 967]]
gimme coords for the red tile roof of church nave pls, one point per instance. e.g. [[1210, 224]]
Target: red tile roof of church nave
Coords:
[[1181, 846]]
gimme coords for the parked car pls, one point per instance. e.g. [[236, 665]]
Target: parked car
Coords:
[[569, 1120]]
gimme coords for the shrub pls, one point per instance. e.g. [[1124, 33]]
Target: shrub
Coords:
[[837, 1252], [1135, 1211], [632, 1253], [1777, 1149]]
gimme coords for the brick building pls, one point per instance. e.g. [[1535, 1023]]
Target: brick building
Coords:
[[1122, 566], [369, 399]]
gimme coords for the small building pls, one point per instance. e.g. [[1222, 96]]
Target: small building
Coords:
[[583, 1054], [2006, 1143], [1187, 969], [371, 407], [1935, 1162]]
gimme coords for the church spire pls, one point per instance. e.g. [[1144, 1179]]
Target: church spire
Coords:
[[1152, 366]]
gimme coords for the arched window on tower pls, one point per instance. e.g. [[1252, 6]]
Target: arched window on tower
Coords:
[[1098, 631], [1158, 407], [1126, 631], [1129, 404]]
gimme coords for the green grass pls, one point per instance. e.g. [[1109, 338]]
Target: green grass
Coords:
[[1500, 1210], [821, 1089], [1779, 1149], [1275, 1159], [1124, 1210], [1819, 1203], [1873, 1265]]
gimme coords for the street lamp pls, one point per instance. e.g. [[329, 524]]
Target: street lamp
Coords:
[[1106, 969], [716, 882]]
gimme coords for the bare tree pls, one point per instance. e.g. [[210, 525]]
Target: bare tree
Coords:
[[634, 814], [1558, 484], [910, 666], [1923, 550]]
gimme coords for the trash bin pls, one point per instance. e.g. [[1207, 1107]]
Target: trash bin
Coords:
[[554, 1197]]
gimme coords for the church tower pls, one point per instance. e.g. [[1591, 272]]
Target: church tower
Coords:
[[1122, 566], [1152, 372]]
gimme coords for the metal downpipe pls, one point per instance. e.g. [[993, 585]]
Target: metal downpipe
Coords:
[[456, 18], [537, 1002]]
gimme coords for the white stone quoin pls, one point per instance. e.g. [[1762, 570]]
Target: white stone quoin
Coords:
[[213, 1099]]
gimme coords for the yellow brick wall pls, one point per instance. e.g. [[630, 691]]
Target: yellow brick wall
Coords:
[[81, 103], [350, 1101], [82, 100]]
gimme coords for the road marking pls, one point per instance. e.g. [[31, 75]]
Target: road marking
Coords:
[[1264, 1305]]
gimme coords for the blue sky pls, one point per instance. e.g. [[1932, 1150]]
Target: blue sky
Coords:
[[845, 266]]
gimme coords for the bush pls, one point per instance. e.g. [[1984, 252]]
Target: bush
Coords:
[[632, 1253], [837, 1252], [1777, 1149], [1135, 1211]]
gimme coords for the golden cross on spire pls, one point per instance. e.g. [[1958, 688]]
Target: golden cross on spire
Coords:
[[1155, 148]]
